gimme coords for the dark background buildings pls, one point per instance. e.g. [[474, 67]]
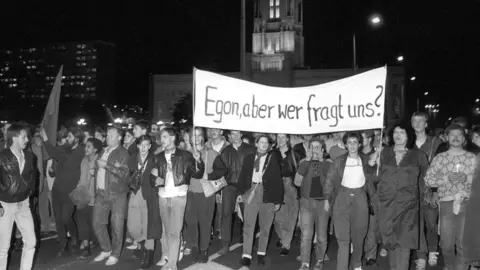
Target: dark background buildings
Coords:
[[438, 39]]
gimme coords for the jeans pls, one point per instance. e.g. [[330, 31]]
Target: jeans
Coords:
[[116, 206], [172, 211], [137, 220], [64, 211], [350, 218], [399, 258], [314, 220], [451, 235], [286, 217], [85, 223], [265, 213], [431, 223], [20, 214], [229, 198], [371, 244], [199, 215]]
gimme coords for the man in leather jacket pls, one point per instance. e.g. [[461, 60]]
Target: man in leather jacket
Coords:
[[171, 174], [111, 188], [17, 182]]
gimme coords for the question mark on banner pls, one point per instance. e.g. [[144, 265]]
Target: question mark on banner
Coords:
[[379, 95]]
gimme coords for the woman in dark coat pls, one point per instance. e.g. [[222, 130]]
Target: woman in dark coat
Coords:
[[400, 187]]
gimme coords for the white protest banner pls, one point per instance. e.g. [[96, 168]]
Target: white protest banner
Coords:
[[353, 103]]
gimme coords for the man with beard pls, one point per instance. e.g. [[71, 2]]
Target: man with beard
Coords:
[[69, 157], [17, 183]]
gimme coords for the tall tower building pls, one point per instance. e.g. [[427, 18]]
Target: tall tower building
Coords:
[[278, 43]]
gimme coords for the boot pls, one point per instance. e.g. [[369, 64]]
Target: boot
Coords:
[[148, 262]]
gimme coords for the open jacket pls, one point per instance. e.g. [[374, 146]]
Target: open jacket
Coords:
[[335, 177], [184, 167], [16, 186], [116, 173], [150, 194], [271, 180]]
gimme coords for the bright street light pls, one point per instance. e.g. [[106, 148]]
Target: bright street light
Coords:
[[412, 79], [400, 58], [426, 93], [477, 100], [376, 20]]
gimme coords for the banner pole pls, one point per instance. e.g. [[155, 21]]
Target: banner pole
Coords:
[[194, 133], [380, 150]]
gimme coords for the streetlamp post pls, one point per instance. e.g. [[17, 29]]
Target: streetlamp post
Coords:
[[374, 20]]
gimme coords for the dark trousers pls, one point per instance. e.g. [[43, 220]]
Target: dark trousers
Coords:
[[424, 228], [64, 210], [229, 198], [431, 222], [85, 223], [350, 218], [198, 216], [101, 210]]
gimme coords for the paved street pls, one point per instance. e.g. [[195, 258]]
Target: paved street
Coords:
[[46, 259]]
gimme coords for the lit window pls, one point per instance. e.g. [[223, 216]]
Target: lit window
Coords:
[[94, 57], [94, 69], [274, 9]]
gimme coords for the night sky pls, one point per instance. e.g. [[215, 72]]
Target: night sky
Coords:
[[440, 40]]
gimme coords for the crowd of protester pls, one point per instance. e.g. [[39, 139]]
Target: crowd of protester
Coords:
[[396, 193]]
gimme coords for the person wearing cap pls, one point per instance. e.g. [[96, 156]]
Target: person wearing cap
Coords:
[[347, 192], [452, 173], [311, 177]]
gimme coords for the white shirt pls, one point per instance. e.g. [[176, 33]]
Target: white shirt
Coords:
[[170, 190], [257, 176], [21, 160], [101, 172], [353, 176]]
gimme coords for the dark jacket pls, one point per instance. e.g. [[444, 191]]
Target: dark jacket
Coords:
[[271, 180], [150, 194], [335, 177], [305, 175], [300, 150], [68, 167], [430, 146], [116, 173], [16, 186], [290, 163], [183, 167], [234, 159]]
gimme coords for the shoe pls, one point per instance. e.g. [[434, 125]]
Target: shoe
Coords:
[[202, 256], [148, 259], [261, 259], [163, 261], [133, 246], [305, 266], [318, 265], [383, 252], [128, 240], [85, 254], [245, 261], [102, 256], [421, 264], [358, 268], [111, 261], [279, 244], [284, 252], [224, 250], [371, 262], [432, 258]]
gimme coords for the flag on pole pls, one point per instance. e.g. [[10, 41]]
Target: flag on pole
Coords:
[[50, 118]]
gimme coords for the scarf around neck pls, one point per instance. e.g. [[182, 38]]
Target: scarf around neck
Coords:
[[257, 160]]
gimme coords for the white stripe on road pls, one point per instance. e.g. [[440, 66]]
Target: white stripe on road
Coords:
[[213, 265]]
